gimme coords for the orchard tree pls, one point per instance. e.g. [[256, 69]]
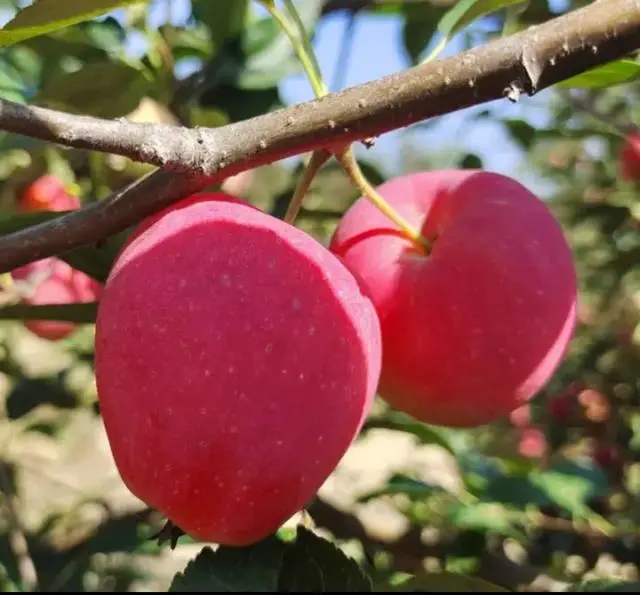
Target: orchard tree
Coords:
[[234, 326]]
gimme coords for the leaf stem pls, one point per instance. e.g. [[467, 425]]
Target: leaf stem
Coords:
[[308, 62], [346, 158], [308, 47], [317, 160]]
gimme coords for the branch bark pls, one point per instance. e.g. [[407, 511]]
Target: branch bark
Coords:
[[522, 64]]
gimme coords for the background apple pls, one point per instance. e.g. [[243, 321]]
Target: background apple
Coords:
[[47, 193], [52, 280], [629, 158], [472, 331], [236, 359]]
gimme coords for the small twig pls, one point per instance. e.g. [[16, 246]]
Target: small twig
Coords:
[[317, 160], [17, 537]]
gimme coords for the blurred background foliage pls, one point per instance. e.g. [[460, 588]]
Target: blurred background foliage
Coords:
[[548, 497]]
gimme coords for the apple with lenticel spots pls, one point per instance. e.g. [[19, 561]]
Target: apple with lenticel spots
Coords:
[[473, 329], [236, 360]]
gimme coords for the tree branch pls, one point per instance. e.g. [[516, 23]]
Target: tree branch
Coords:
[[520, 64]]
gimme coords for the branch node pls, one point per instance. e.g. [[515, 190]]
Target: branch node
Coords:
[[532, 70]]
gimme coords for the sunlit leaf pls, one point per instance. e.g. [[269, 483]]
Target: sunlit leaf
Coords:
[[44, 16]]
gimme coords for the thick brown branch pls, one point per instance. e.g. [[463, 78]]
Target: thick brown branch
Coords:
[[521, 64]]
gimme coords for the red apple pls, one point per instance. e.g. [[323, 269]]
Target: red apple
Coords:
[[533, 443], [472, 331], [629, 158], [236, 360], [521, 417], [47, 193], [53, 281]]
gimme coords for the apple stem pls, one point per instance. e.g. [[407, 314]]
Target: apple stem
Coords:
[[317, 160], [301, 45], [353, 171]]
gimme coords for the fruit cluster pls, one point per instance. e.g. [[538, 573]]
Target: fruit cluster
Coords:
[[578, 410], [52, 280], [277, 344]]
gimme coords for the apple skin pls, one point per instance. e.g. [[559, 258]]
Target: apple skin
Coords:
[[236, 360], [47, 193], [533, 443], [629, 158], [55, 282], [475, 329]]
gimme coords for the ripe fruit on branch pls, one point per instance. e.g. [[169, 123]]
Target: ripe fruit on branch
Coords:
[[629, 158], [47, 193], [53, 281], [475, 329], [236, 359]]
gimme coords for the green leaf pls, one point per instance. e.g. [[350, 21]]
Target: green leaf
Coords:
[[462, 565], [268, 52], [603, 76], [521, 131], [11, 87], [6, 584], [44, 16], [82, 313], [607, 585], [314, 565], [233, 570], [90, 90], [308, 564], [402, 422], [515, 491], [571, 486], [450, 582], [470, 161], [401, 484], [463, 13], [241, 104], [224, 19], [484, 516], [420, 24]]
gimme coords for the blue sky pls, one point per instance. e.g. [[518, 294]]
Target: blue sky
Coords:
[[377, 50]]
